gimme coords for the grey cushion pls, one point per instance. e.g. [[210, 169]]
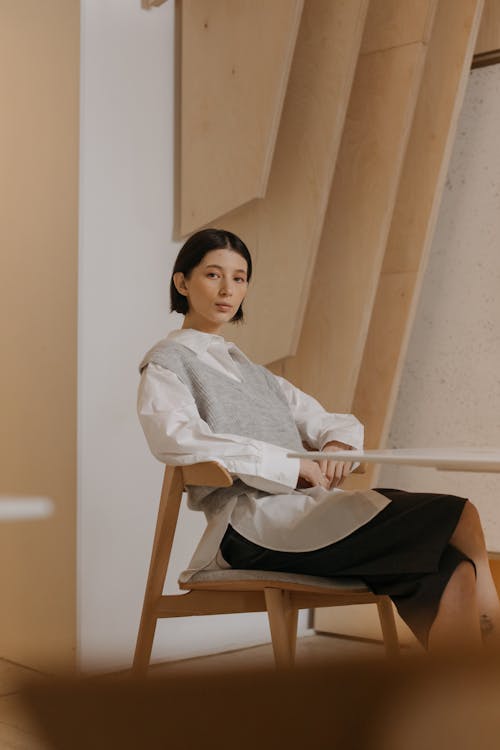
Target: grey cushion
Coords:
[[213, 576]]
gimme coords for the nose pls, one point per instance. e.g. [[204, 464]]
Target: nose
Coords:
[[226, 289]]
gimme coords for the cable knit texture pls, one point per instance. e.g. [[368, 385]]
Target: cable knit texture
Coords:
[[255, 408]]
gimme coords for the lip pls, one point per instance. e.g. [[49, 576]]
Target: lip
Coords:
[[222, 306]]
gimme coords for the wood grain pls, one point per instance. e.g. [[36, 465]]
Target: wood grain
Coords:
[[39, 98], [391, 23], [284, 229], [357, 224], [426, 162], [235, 62], [488, 39]]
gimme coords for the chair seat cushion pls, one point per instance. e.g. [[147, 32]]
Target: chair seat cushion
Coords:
[[233, 575]]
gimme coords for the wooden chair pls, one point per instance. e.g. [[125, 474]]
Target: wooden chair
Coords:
[[213, 592]]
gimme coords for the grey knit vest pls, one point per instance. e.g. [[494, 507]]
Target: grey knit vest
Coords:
[[255, 408]]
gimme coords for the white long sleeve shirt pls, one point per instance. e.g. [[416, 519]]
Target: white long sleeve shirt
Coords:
[[287, 519]]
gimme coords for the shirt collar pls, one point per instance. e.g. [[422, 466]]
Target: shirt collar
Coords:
[[198, 341]]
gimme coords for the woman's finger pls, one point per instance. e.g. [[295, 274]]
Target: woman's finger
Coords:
[[323, 481], [318, 478], [339, 468], [330, 470], [347, 469], [336, 472], [330, 473]]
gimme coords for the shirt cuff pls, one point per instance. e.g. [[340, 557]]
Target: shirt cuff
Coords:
[[277, 473], [350, 437]]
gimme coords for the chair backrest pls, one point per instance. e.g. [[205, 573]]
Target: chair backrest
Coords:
[[175, 481]]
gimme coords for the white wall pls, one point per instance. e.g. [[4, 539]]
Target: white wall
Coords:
[[450, 389], [126, 255]]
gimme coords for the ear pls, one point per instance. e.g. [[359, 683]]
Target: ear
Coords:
[[180, 283]]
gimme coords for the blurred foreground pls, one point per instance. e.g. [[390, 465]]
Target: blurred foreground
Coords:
[[414, 703]]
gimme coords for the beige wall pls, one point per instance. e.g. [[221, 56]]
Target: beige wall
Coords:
[[39, 90]]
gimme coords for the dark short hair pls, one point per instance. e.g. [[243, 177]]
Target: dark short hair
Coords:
[[192, 253]]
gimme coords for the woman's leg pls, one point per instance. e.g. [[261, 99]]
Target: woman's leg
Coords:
[[456, 625], [469, 539]]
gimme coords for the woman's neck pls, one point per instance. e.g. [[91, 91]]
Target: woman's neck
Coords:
[[202, 326]]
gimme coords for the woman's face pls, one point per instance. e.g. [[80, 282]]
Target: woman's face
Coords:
[[215, 289]]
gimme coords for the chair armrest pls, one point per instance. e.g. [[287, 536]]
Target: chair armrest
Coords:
[[206, 474]]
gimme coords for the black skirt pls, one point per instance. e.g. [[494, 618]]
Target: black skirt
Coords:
[[403, 552]]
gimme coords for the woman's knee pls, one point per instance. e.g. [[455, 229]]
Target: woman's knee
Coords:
[[471, 513], [464, 580], [469, 528]]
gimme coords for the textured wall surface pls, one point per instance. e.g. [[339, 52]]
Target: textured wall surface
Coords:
[[450, 389]]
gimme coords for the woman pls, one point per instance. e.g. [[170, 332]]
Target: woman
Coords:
[[200, 398]]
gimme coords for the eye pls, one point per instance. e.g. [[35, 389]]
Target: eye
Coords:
[[211, 274], [240, 278]]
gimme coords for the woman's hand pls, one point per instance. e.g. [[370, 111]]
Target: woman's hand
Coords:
[[310, 475], [327, 473], [335, 471]]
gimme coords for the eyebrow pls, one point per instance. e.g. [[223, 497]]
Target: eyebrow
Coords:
[[214, 265]]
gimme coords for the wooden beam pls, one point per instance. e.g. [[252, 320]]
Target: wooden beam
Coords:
[[284, 229], [235, 62], [413, 222], [392, 23], [488, 38], [358, 219]]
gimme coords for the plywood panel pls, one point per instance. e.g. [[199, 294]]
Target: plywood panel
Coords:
[[283, 230], [391, 23], [39, 99], [357, 224], [488, 39], [235, 61], [426, 162]]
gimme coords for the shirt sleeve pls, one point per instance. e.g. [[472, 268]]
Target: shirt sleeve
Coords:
[[316, 426], [177, 435]]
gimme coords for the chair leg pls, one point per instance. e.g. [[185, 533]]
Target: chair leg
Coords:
[[388, 624], [280, 625], [144, 644], [292, 616]]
